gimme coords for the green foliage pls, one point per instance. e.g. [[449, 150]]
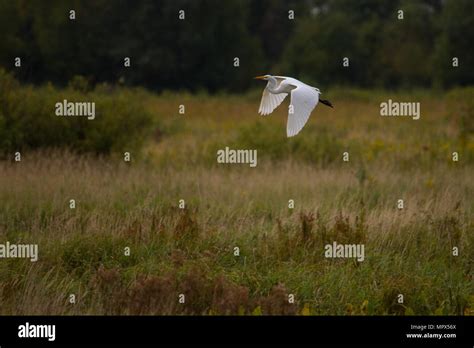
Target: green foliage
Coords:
[[319, 146], [455, 40], [165, 52], [315, 52], [198, 52], [382, 50], [81, 253], [28, 119]]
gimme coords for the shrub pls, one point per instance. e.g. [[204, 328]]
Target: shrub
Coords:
[[28, 119]]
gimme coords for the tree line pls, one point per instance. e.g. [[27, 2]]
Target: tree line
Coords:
[[193, 45]]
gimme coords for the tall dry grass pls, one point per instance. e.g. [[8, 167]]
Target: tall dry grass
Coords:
[[191, 251]]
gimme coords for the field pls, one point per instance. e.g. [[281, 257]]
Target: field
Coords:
[[192, 251]]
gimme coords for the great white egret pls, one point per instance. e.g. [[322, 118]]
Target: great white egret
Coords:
[[304, 99]]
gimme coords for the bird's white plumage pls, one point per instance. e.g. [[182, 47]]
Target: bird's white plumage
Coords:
[[270, 101], [304, 99]]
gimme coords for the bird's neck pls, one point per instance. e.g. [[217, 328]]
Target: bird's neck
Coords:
[[272, 85]]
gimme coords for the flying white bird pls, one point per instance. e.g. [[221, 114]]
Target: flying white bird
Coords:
[[304, 99]]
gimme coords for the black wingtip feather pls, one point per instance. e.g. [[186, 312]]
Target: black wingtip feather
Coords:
[[326, 102]]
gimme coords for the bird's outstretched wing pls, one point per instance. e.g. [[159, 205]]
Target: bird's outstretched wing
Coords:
[[270, 102], [303, 101]]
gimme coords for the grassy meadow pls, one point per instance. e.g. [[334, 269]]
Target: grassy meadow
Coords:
[[281, 250]]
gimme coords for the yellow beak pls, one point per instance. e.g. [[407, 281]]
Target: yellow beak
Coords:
[[259, 77]]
